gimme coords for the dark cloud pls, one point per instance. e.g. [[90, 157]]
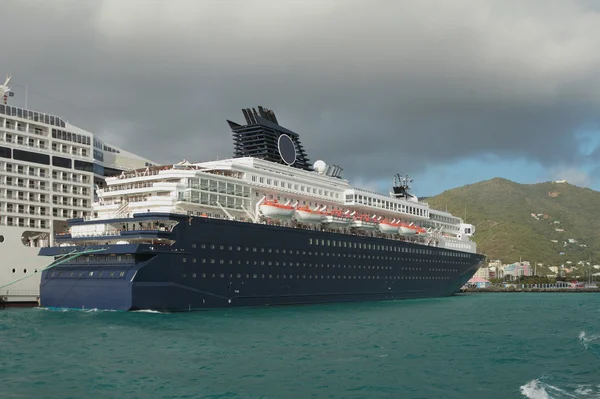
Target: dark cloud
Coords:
[[378, 87]]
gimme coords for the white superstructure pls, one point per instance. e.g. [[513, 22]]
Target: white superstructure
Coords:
[[49, 170], [260, 191]]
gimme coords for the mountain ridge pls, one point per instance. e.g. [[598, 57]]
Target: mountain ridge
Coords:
[[501, 211]]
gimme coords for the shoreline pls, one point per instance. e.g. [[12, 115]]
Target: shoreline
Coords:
[[529, 290]]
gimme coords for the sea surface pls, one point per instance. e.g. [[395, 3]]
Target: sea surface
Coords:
[[521, 345]]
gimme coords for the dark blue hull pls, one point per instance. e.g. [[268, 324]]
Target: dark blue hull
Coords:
[[218, 263]]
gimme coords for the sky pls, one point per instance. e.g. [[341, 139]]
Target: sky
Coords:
[[450, 92]]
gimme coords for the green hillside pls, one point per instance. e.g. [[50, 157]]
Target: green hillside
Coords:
[[501, 212]]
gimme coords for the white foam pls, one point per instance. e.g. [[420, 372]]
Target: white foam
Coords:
[[584, 339], [146, 311], [584, 390], [538, 389], [534, 389]]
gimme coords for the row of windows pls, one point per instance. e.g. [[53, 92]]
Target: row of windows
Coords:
[[20, 208], [68, 136], [227, 201], [23, 196], [43, 144], [23, 127], [67, 176], [19, 182], [349, 255], [221, 187], [101, 146], [87, 274], [323, 265], [43, 159], [23, 169], [69, 213], [31, 115], [382, 247], [32, 222], [69, 189], [101, 258], [297, 187], [24, 140], [24, 271], [70, 149], [314, 276], [386, 204], [445, 219], [24, 222]]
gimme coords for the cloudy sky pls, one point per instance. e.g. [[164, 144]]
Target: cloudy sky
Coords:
[[451, 92]]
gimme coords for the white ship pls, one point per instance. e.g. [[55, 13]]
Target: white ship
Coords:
[[49, 170]]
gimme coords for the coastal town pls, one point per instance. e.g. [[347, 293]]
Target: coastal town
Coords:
[[524, 275]]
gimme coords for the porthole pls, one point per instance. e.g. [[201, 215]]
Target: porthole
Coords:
[[13, 270], [1, 238], [25, 271]]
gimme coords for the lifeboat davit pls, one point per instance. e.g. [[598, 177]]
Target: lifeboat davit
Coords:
[[389, 227], [336, 219], [307, 215], [275, 210], [364, 222]]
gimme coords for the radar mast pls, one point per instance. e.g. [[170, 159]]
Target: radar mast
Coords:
[[401, 186]]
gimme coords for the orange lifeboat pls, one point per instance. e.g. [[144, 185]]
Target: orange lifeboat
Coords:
[[307, 215], [275, 210], [389, 227]]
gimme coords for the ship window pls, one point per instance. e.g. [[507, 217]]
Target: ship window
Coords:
[[61, 162], [31, 157], [84, 166]]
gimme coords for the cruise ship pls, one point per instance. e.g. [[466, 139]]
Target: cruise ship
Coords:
[[266, 227], [48, 173]]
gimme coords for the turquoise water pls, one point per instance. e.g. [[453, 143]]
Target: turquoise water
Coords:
[[470, 346]]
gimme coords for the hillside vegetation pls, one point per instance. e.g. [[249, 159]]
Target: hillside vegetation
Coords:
[[505, 229]]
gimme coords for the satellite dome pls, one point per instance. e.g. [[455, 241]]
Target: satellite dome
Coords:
[[320, 167]]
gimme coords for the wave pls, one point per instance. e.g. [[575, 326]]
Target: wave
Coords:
[[541, 388], [585, 340]]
